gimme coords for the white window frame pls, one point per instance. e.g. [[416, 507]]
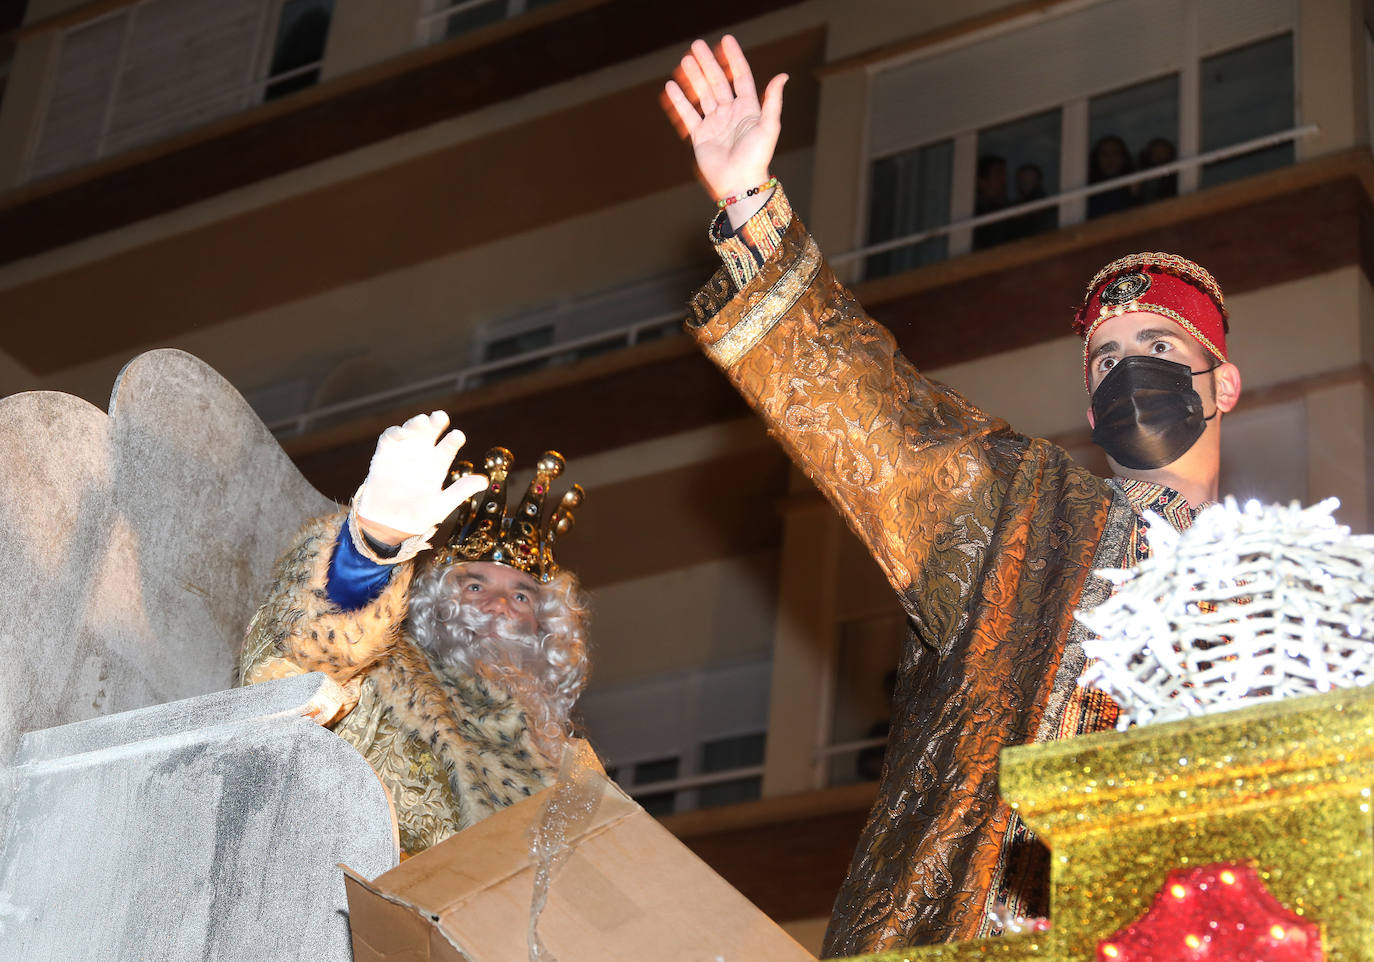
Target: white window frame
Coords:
[[432, 22], [685, 721], [1073, 130], [252, 88]]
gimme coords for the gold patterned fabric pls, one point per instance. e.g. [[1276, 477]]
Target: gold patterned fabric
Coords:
[[987, 537], [1019, 884], [450, 749]]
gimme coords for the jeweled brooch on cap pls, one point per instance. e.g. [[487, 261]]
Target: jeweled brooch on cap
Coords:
[[1125, 289]]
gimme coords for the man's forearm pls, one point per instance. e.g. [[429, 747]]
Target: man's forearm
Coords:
[[901, 457]]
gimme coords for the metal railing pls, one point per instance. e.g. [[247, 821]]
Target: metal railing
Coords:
[[629, 335], [822, 752], [463, 378], [444, 14], [1007, 213], [200, 111], [687, 782], [433, 26]]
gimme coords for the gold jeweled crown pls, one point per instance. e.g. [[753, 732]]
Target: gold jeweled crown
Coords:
[[523, 538]]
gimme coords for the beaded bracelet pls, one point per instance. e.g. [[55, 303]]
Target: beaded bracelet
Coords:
[[725, 202]]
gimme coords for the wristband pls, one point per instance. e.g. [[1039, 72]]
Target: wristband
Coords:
[[725, 202]]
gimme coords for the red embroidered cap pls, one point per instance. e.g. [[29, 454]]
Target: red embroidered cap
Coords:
[[1164, 284]]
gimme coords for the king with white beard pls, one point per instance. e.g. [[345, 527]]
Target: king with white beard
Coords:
[[456, 668]]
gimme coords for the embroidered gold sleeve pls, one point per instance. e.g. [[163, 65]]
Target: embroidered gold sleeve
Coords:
[[916, 470]]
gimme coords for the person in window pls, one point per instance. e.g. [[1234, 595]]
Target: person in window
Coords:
[[1030, 185], [1157, 153], [868, 765], [456, 671], [988, 537], [990, 196], [1109, 158]]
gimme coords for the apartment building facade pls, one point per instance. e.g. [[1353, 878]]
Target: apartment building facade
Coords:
[[357, 210]]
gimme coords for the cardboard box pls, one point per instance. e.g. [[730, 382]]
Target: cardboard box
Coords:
[[628, 891]]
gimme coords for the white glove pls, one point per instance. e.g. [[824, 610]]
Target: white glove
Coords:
[[405, 489]]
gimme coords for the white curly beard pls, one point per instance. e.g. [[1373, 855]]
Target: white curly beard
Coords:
[[496, 648]]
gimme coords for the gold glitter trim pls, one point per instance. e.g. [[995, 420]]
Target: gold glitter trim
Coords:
[[1285, 785], [759, 319], [1172, 262]]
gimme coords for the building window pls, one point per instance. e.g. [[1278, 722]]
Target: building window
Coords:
[[450, 18], [1133, 129], [1247, 93], [910, 193], [575, 329], [864, 683], [302, 30], [645, 774], [1082, 121], [158, 67], [681, 742], [1018, 162], [6, 61], [511, 346], [727, 754]]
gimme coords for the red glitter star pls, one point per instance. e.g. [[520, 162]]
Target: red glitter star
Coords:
[[1217, 913]]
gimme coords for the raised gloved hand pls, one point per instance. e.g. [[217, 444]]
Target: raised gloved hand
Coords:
[[404, 492]]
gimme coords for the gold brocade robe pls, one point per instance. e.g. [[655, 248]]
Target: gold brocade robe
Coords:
[[450, 748], [988, 537]]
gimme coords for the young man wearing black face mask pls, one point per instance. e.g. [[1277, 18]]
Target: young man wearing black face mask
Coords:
[[988, 537], [1154, 354]]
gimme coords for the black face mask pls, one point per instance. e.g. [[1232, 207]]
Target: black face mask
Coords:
[[1146, 413]]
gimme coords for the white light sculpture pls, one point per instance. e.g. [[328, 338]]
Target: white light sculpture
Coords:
[[1249, 604]]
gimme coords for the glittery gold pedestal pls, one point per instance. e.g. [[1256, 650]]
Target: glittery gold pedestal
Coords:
[[1286, 786]]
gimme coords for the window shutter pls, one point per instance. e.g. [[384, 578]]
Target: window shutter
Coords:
[[1050, 62], [80, 92], [188, 61]]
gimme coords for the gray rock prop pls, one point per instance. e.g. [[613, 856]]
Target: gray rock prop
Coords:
[[210, 828], [134, 548]]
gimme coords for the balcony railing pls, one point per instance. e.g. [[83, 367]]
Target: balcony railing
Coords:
[[660, 325], [688, 782], [438, 25], [1007, 213], [211, 106], [666, 324]]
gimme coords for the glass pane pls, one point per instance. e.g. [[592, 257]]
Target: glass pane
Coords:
[[865, 676], [741, 751], [6, 59], [656, 771], [1133, 129], [910, 193], [301, 35], [511, 346], [1017, 162], [493, 11], [1247, 93]]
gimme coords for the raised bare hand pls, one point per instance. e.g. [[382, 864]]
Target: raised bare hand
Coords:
[[732, 134]]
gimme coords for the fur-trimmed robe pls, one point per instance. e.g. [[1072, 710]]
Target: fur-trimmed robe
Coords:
[[451, 749]]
